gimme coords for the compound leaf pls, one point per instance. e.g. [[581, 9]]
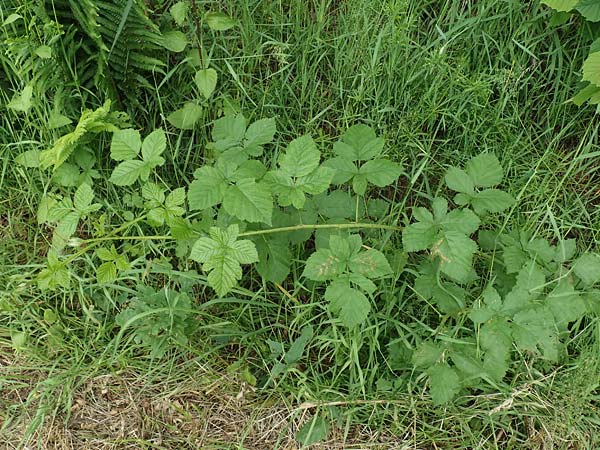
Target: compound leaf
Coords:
[[485, 170], [250, 201], [125, 144], [444, 383], [350, 304]]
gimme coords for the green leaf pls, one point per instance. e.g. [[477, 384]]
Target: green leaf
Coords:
[[427, 354], [218, 21], [316, 182], [456, 252], [359, 143], [296, 350], [83, 198], [29, 159], [491, 200], [300, 158], [458, 180], [22, 101], [531, 278], [561, 5], [179, 12], [221, 254], [125, 144], [206, 80], [154, 145], [66, 175], [565, 303], [106, 273], [44, 52], [496, 341], [57, 120], [208, 189], [250, 201], [56, 274], [187, 117], [534, 328], [275, 259], [65, 228], [380, 172], [485, 170], [344, 168], [359, 184], [127, 173], [590, 9], [230, 129], [591, 69], [371, 263], [174, 40], [587, 268], [313, 431], [349, 304], [260, 132], [444, 383], [461, 220], [420, 235], [323, 265], [175, 198], [11, 19]]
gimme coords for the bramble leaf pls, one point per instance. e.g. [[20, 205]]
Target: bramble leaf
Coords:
[[125, 144], [455, 251], [350, 304], [127, 173], [222, 255], [218, 21], [380, 172], [491, 200], [444, 383], [485, 170], [250, 201], [590, 9], [587, 268], [323, 265], [561, 5], [301, 157], [359, 143], [208, 189], [260, 132], [427, 354], [458, 180], [371, 263]]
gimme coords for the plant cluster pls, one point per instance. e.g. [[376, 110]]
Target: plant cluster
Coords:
[[307, 220]]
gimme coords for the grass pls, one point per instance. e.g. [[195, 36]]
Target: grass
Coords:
[[442, 81]]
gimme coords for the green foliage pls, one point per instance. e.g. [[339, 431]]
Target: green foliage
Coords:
[[128, 147], [590, 10], [511, 292], [222, 255], [360, 144], [158, 319]]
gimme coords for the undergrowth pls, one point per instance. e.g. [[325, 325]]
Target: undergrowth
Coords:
[[385, 215]]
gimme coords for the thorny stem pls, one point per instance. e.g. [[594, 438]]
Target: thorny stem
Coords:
[[339, 226]]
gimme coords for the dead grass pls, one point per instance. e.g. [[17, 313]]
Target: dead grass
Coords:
[[126, 411]]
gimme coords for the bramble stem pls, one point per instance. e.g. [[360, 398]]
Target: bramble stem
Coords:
[[339, 226]]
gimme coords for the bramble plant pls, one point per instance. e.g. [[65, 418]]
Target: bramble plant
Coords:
[[507, 292], [590, 11]]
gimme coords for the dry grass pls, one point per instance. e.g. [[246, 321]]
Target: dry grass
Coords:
[[126, 411]]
